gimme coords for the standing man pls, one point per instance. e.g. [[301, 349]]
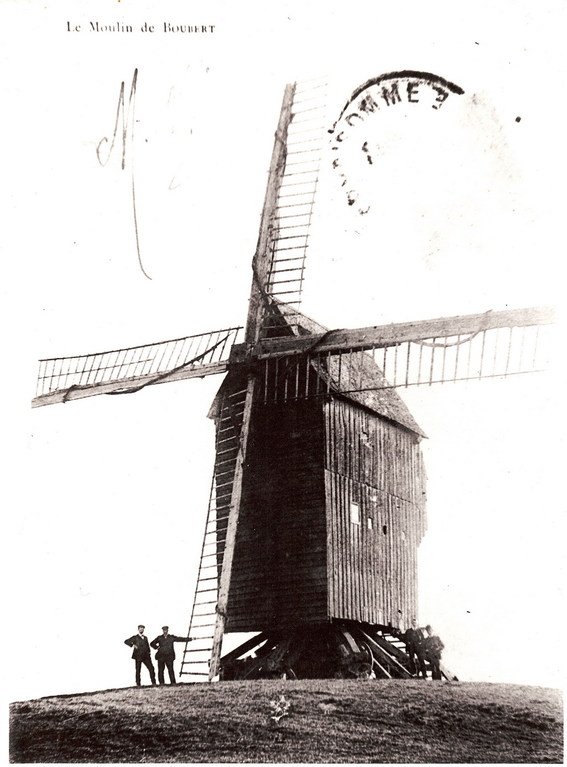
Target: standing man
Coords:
[[141, 654], [433, 649], [414, 639], [166, 654]]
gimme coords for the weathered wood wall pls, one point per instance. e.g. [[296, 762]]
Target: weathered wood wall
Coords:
[[298, 556], [372, 565], [279, 574]]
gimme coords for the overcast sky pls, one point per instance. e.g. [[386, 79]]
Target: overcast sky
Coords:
[[107, 496]]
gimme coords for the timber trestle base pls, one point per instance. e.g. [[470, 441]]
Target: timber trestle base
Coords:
[[331, 650]]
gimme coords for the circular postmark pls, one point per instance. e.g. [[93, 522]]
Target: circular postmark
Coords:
[[353, 142]]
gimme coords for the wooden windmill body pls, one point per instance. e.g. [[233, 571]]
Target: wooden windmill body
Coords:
[[333, 484], [317, 503], [333, 502]]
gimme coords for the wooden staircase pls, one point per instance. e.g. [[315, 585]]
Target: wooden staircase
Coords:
[[197, 653]]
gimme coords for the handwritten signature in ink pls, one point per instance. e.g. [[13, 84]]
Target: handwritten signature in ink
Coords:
[[105, 148]]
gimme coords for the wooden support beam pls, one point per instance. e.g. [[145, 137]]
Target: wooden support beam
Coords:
[[254, 666], [384, 670], [230, 540], [275, 657], [382, 652], [250, 644], [448, 674], [380, 336], [126, 384]]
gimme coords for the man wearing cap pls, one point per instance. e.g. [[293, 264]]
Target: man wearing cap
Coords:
[[141, 654], [433, 649], [165, 654]]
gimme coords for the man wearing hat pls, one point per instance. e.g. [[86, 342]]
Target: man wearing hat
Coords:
[[433, 649], [165, 654], [141, 654], [414, 639]]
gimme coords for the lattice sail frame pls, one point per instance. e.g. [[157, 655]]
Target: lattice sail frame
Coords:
[[496, 352], [122, 370], [291, 222]]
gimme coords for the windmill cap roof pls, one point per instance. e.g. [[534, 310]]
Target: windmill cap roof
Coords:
[[356, 380]]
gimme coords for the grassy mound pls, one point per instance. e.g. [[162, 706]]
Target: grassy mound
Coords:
[[327, 721]]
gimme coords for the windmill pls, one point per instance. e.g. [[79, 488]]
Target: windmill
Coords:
[[317, 503]]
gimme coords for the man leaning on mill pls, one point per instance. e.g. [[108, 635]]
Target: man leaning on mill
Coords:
[[165, 653]]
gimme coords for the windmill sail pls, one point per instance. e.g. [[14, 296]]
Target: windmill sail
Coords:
[[306, 135], [490, 345], [283, 240], [120, 371]]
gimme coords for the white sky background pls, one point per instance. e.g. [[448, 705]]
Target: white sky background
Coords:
[[106, 497]]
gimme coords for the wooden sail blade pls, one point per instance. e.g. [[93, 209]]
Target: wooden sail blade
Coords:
[[394, 334], [128, 370], [283, 240], [364, 363], [307, 139], [262, 260]]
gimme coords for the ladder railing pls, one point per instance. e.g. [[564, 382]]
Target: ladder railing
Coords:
[[197, 653]]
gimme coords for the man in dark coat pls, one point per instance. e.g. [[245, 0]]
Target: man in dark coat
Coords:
[[141, 654], [165, 654], [433, 648], [414, 639]]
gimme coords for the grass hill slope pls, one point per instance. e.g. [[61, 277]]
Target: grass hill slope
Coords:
[[326, 721]]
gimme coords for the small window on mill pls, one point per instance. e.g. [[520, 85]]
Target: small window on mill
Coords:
[[355, 513], [370, 523]]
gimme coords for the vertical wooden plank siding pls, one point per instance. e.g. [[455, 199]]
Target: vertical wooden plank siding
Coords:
[[279, 574], [372, 572]]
